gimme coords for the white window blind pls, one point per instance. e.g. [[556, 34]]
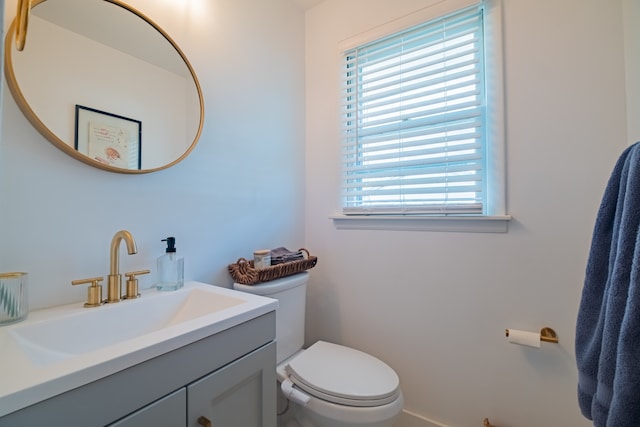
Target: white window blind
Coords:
[[414, 106]]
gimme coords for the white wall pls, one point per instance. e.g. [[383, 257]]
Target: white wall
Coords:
[[435, 305], [239, 190], [631, 13]]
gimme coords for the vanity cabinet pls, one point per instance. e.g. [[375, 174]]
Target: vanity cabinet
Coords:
[[232, 396], [235, 395], [168, 411], [229, 378]]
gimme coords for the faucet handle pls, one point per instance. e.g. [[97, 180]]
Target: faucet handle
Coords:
[[132, 283], [94, 292]]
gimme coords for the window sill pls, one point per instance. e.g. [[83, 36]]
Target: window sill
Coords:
[[464, 224]]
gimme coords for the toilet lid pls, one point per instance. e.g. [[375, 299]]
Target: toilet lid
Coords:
[[343, 375]]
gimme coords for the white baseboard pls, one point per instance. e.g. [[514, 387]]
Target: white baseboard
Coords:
[[411, 419]]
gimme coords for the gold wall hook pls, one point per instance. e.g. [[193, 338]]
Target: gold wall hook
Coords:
[[22, 17]]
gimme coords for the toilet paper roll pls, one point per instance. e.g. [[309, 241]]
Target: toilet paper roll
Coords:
[[530, 339]]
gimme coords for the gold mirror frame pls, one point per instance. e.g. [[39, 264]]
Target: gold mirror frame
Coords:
[[33, 118]]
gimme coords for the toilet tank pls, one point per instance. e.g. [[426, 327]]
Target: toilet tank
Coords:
[[291, 292]]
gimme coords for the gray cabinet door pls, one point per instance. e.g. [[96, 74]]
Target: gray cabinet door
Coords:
[[170, 411], [240, 394]]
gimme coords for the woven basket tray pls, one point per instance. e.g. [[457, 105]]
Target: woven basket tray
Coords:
[[244, 273]]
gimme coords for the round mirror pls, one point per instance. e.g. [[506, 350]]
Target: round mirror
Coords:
[[106, 85]]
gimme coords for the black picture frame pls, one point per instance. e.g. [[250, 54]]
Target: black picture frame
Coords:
[[108, 138]]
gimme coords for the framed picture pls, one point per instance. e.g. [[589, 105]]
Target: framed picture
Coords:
[[108, 138]]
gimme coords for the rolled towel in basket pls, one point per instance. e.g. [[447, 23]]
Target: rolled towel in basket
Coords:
[[281, 255]]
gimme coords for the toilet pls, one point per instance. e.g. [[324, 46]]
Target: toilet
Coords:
[[325, 385]]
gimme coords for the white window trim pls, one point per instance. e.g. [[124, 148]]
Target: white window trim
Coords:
[[496, 219], [495, 115], [433, 11], [468, 224]]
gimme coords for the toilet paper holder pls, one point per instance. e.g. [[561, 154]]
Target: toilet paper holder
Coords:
[[546, 334]]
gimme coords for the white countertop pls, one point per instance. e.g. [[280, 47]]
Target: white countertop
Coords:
[[24, 381]]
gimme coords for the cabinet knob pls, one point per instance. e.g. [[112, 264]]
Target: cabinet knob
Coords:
[[94, 292], [204, 422]]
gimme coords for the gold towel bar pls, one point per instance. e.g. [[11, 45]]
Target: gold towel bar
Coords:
[[546, 334]]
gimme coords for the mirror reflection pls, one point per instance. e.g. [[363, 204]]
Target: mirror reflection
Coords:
[[105, 85]]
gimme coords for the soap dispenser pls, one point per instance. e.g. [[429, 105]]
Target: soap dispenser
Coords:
[[170, 268]]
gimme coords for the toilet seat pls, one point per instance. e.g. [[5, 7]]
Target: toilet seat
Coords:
[[343, 375]]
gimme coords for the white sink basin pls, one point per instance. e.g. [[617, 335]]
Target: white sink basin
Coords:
[[57, 349], [82, 331]]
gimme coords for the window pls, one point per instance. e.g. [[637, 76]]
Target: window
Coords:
[[415, 121]]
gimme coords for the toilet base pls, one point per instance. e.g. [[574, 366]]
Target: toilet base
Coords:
[[319, 413], [288, 422], [291, 414], [286, 412], [303, 420]]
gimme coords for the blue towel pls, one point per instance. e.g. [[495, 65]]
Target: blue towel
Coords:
[[608, 325]]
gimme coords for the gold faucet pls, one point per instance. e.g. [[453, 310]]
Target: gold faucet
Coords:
[[114, 290]]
